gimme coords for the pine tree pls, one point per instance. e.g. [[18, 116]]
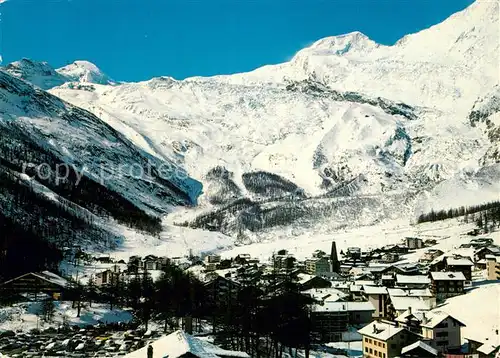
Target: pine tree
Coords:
[[48, 310]]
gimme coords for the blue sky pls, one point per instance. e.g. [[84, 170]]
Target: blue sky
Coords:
[[137, 40]]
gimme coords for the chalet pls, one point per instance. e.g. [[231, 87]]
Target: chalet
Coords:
[[242, 259], [179, 344], [152, 262], [430, 255], [222, 290], [353, 253], [438, 329], [34, 285], [382, 339], [109, 276], [414, 243], [458, 263], [378, 270], [389, 257], [395, 249], [447, 284], [482, 252], [331, 319], [481, 242], [408, 269], [401, 299], [209, 259]]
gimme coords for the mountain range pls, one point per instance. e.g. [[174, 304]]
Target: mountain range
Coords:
[[347, 133]]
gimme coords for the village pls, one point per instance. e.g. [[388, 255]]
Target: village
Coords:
[[372, 303]]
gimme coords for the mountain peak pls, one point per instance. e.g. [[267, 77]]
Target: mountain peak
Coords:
[[85, 71], [40, 74], [341, 44]]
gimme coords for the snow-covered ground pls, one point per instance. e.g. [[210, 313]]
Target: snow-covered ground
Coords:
[[450, 234], [479, 310], [178, 241], [26, 316]]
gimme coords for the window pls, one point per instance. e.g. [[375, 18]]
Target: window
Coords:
[[383, 345], [366, 340], [366, 349], [452, 289], [383, 355], [442, 334], [371, 351]]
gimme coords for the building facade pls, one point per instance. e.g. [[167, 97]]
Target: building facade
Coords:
[[385, 340], [493, 267], [447, 284]]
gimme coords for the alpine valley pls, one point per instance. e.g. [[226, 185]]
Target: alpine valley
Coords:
[[348, 133]]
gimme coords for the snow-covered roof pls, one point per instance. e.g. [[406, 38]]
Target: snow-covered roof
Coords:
[[448, 276], [416, 303], [492, 257], [180, 343], [375, 290], [414, 292], [488, 348], [426, 319], [436, 317], [380, 330], [304, 277], [462, 261], [343, 307], [325, 294], [364, 283], [53, 278], [422, 345], [378, 268], [412, 279], [47, 276]]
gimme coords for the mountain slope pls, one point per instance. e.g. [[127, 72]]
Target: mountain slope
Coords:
[[66, 176]]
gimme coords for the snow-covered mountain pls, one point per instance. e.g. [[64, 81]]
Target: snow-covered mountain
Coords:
[[65, 176], [42, 75], [447, 66], [348, 132]]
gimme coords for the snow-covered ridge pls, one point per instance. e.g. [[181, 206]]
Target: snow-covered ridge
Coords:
[[446, 66], [44, 76]]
